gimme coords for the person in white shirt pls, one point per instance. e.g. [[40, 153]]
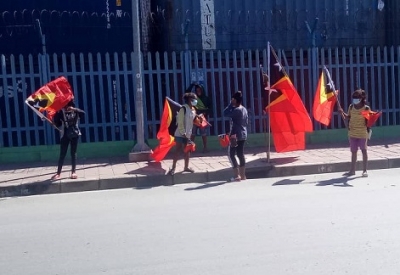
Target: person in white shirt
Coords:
[[185, 118]]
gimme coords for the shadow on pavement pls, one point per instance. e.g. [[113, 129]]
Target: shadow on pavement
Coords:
[[339, 182], [288, 182], [281, 161], [51, 174], [206, 185], [150, 169]]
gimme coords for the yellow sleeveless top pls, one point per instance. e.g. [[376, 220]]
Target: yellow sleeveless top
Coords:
[[357, 123]]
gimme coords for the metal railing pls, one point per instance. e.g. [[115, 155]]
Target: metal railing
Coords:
[[104, 87]]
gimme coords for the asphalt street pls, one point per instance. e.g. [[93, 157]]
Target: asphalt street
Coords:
[[318, 224]]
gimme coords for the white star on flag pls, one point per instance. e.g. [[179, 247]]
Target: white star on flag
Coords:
[[279, 66], [270, 90]]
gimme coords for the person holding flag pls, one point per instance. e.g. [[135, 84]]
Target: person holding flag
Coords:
[[67, 120], [358, 131], [184, 121]]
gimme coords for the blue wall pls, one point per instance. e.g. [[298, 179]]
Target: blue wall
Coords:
[[81, 25]]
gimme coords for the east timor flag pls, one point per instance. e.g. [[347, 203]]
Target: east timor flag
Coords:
[[52, 97], [167, 129], [289, 118], [324, 101], [371, 117]]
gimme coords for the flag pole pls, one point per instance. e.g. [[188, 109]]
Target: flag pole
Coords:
[[264, 79], [281, 68], [43, 117], [332, 86], [269, 102]]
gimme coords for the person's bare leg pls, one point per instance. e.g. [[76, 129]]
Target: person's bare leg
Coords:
[[365, 162], [177, 153], [205, 148], [353, 162]]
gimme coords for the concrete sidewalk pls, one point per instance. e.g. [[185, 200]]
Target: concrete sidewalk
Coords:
[[101, 174]]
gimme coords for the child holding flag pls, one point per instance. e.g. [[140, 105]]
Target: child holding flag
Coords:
[[357, 130]]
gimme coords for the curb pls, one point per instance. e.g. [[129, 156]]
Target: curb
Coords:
[[143, 182]]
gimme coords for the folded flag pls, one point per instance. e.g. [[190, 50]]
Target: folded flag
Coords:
[[52, 97], [190, 147], [223, 140], [201, 122], [371, 117]]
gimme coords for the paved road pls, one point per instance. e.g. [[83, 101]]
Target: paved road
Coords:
[[324, 225]]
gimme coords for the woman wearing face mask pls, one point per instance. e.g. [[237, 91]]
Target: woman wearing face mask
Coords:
[[357, 130], [184, 121]]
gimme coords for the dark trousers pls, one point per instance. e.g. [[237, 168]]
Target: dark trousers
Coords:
[[64, 143], [237, 151]]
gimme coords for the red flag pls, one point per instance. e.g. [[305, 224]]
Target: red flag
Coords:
[[52, 97], [201, 121], [289, 118], [324, 102], [371, 117], [167, 128]]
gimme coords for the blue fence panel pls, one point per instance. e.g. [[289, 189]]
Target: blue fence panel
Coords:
[[19, 125], [105, 87]]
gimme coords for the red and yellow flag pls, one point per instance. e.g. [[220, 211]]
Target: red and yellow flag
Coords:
[[52, 97], [289, 118], [166, 131], [324, 102], [371, 117]]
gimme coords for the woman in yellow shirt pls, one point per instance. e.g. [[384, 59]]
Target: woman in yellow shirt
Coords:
[[358, 131]]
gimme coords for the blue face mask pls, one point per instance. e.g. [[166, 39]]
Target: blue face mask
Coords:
[[356, 101], [194, 102]]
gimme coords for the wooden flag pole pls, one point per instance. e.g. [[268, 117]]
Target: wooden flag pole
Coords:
[[278, 63], [264, 79], [269, 101], [43, 117], [332, 86]]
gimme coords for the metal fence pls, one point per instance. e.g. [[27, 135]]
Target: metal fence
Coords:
[[104, 87]]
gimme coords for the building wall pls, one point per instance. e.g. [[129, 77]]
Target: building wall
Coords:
[[104, 26], [250, 24]]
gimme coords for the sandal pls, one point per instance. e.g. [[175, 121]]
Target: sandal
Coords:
[[365, 174], [74, 176], [187, 169], [56, 177], [171, 172], [234, 179], [348, 174]]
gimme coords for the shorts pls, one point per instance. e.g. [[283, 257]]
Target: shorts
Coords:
[[356, 143], [203, 131], [181, 140]]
